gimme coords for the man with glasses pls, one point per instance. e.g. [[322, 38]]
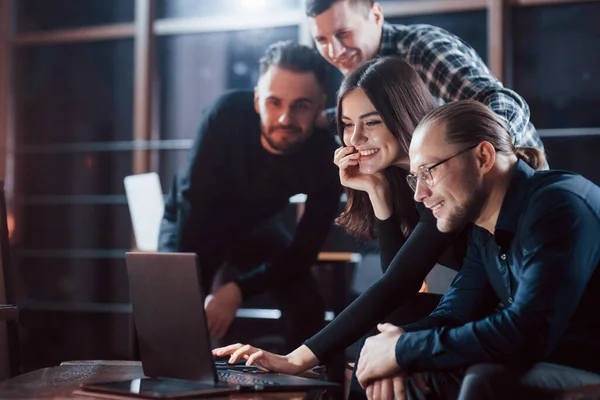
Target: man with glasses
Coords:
[[520, 319], [424, 173]]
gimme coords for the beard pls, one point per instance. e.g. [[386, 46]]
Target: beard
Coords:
[[464, 213], [285, 143]]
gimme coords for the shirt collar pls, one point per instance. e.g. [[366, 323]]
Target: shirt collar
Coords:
[[513, 203]]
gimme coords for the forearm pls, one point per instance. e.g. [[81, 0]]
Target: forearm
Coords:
[[403, 280], [381, 200], [390, 239], [302, 358], [297, 259]]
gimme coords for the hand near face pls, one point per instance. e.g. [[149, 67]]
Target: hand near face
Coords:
[[378, 356], [347, 160], [221, 307]]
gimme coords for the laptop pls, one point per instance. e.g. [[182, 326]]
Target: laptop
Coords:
[[146, 207], [168, 311]]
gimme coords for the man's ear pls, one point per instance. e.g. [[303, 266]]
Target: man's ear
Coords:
[[256, 107], [377, 13], [486, 156]]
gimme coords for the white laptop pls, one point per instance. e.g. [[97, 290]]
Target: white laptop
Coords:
[[146, 206]]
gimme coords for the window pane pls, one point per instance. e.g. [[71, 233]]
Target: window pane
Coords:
[[51, 337], [41, 15], [84, 173], [575, 153], [195, 8], [386, 2], [93, 280], [195, 69], [556, 62], [74, 93], [75, 226], [470, 26], [170, 161]]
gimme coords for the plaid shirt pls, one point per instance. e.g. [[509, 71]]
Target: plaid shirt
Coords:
[[454, 71]]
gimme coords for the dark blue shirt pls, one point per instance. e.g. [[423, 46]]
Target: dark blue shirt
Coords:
[[528, 293]]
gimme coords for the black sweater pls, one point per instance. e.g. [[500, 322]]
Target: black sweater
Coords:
[[232, 185], [409, 263]]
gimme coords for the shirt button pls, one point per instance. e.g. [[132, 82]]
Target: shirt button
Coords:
[[503, 256], [510, 300]]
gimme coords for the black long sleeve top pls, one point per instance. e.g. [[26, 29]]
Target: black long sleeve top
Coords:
[[232, 185], [409, 260]]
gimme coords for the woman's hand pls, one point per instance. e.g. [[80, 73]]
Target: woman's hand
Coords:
[[347, 160], [376, 185], [296, 362]]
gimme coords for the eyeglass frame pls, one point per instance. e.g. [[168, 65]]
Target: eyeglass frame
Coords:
[[429, 169]]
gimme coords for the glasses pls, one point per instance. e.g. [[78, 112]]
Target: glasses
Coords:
[[424, 173]]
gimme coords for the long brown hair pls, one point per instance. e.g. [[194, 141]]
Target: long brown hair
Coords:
[[401, 99], [470, 122]]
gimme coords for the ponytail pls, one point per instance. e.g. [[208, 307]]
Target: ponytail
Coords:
[[532, 156]]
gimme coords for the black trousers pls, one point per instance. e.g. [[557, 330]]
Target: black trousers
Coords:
[[301, 304], [501, 381], [481, 381]]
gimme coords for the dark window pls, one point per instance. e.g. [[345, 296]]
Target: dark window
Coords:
[[75, 173], [71, 226], [170, 161], [575, 153], [42, 15], [556, 62], [54, 336], [93, 280], [74, 93]]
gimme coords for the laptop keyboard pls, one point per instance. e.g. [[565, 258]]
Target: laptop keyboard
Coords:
[[236, 378]]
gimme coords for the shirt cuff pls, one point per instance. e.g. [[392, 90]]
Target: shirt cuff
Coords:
[[409, 347]]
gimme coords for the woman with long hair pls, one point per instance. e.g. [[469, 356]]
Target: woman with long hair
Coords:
[[379, 105]]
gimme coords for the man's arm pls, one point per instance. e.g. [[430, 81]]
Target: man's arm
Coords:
[[453, 71], [168, 240], [313, 228], [201, 181], [560, 255]]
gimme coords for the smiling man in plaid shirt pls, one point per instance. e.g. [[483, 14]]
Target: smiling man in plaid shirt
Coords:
[[350, 32]]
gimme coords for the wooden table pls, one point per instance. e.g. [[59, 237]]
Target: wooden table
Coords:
[[59, 382]]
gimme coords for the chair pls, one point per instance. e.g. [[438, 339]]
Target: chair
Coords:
[[10, 352]]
